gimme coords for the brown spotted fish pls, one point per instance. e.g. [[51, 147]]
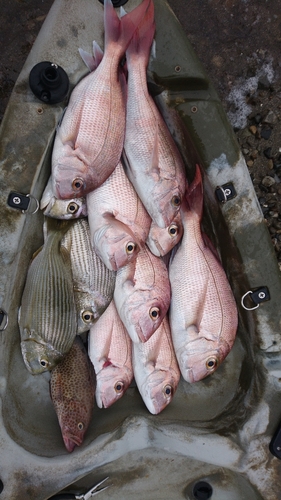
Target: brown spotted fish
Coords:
[[72, 389]]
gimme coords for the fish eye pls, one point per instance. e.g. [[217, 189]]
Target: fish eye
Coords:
[[176, 200], [44, 363], [154, 313], [130, 247], [77, 183], [87, 316], [80, 426], [72, 208], [118, 387], [173, 230], [211, 363], [168, 390]]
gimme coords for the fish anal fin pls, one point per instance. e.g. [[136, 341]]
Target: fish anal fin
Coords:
[[194, 194], [88, 59]]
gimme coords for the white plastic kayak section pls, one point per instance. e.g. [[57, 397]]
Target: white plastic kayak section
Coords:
[[216, 431]]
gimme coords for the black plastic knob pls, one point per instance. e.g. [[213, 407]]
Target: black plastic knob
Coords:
[[49, 82]]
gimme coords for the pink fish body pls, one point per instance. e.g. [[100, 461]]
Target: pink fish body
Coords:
[[156, 370], [119, 223], [72, 389], [110, 353], [160, 241], [142, 295], [89, 141], [203, 313], [153, 162]]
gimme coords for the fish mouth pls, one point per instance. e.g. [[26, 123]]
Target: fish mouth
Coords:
[[71, 441]]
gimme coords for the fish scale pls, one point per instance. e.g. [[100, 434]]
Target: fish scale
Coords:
[[118, 196], [110, 353], [72, 390], [117, 219], [83, 156], [153, 162], [48, 313], [156, 370], [141, 287], [203, 312], [93, 283]]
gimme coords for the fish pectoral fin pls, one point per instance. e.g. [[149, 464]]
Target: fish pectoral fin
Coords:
[[192, 332], [36, 253], [154, 161], [211, 247]]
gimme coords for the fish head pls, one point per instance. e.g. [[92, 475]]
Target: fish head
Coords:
[[74, 419], [65, 209], [38, 356], [158, 390], [145, 310], [201, 358], [72, 179], [168, 202], [161, 240], [115, 244], [112, 383]]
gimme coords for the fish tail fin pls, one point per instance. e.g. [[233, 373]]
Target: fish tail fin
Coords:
[[92, 61], [120, 31], [140, 45], [194, 194]]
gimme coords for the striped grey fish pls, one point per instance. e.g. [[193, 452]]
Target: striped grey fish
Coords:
[[47, 317], [93, 282]]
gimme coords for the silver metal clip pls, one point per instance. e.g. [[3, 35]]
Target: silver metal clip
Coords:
[[257, 296], [93, 491], [243, 305], [36, 208]]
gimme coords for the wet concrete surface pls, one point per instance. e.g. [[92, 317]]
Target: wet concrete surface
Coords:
[[238, 43]]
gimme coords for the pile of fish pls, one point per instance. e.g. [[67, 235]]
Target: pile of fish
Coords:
[[128, 262]]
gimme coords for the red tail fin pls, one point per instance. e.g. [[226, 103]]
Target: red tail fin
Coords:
[[120, 31], [141, 42], [194, 194]]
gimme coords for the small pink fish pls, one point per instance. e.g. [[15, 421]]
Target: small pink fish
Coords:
[[156, 370], [203, 312], [119, 223], [110, 353], [90, 138], [72, 389], [142, 295], [153, 162]]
